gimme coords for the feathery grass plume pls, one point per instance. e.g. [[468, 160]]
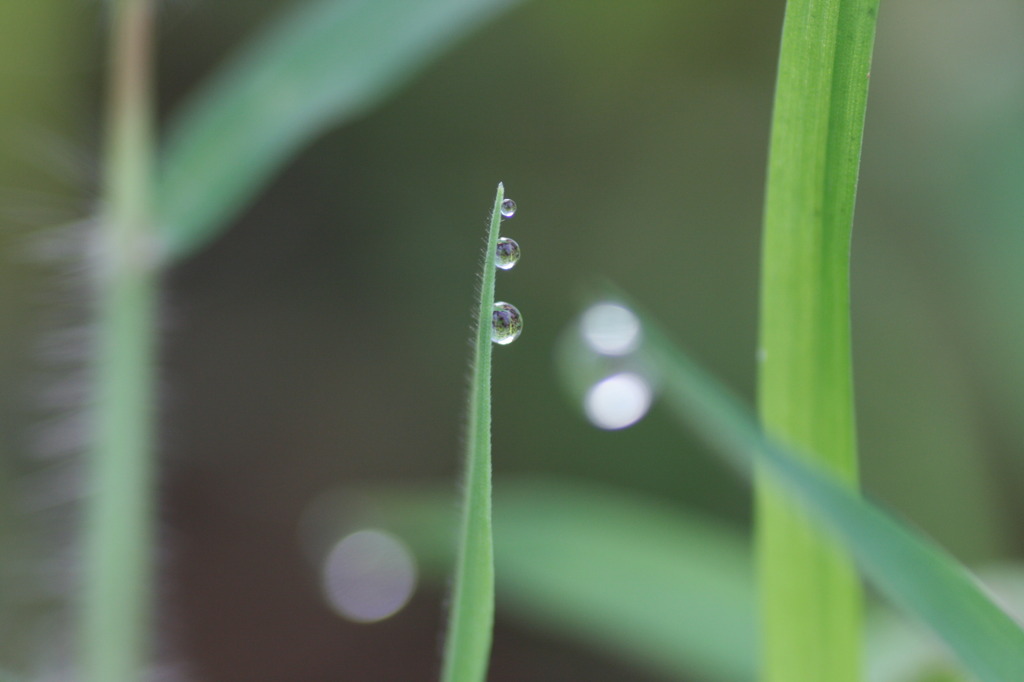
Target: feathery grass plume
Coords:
[[115, 619]]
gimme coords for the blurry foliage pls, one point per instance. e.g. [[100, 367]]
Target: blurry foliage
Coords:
[[322, 340]]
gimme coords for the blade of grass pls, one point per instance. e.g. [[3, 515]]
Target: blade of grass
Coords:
[[115, 612], [910, 570], [595, 565], [323, 64], [468, 642], [811, 602]]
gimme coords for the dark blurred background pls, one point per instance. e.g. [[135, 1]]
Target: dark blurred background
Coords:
[[322, 341]]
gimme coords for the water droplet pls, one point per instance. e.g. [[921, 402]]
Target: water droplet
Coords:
[[618, 401], [369, 576], [610, 329], [508, 208], [506, 323], [507, 254]]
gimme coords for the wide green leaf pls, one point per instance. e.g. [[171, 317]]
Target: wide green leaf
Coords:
[[810, 597], [322, 64], [908, 568]]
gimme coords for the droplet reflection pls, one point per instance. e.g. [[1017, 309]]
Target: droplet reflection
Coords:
[[506, 323], [610, 329], [618, 401], [508, 208], [507, 253], [369, 576]]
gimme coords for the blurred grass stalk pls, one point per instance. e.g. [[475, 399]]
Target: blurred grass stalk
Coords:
[[468, 641], [811, 601], [115, 613]]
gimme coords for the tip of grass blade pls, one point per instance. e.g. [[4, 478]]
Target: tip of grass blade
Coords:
[[468, 641]]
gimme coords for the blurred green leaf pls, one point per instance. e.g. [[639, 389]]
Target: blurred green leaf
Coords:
[[669, 590], [322, 64], [902, 651], [910, 570]]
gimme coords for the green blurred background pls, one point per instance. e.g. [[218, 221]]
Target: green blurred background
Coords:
[[322, 342]]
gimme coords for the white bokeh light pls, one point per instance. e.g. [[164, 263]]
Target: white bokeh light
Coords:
[[618, 401], [610, 329], [369, 576]]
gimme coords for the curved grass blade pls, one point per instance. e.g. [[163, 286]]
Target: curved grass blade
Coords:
[[903, 651], [810, 597], [664, 588], [909, 569], [468, 642], [323, 64]]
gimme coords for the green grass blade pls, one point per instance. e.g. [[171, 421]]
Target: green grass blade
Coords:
[[468, 642], [115, 614], [910, 570], [665, 588], [902, 651], [810, 598], [325, 63]]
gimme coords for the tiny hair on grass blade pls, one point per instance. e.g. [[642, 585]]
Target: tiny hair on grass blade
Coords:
[[468, 641]]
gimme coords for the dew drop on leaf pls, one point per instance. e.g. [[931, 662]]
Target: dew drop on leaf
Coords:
[[507, 253], [508, 208], [506, 323]]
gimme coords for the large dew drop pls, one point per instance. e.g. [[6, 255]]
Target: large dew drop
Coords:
[[507, 253], [506, 323], [508, 208]]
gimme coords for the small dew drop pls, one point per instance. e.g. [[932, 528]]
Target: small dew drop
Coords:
[[508, 208], [507, 254], [506, 323], [369, 576], [618, 401], [610, 329]]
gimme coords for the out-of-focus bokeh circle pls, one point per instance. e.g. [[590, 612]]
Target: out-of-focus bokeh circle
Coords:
[[369, 576]]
